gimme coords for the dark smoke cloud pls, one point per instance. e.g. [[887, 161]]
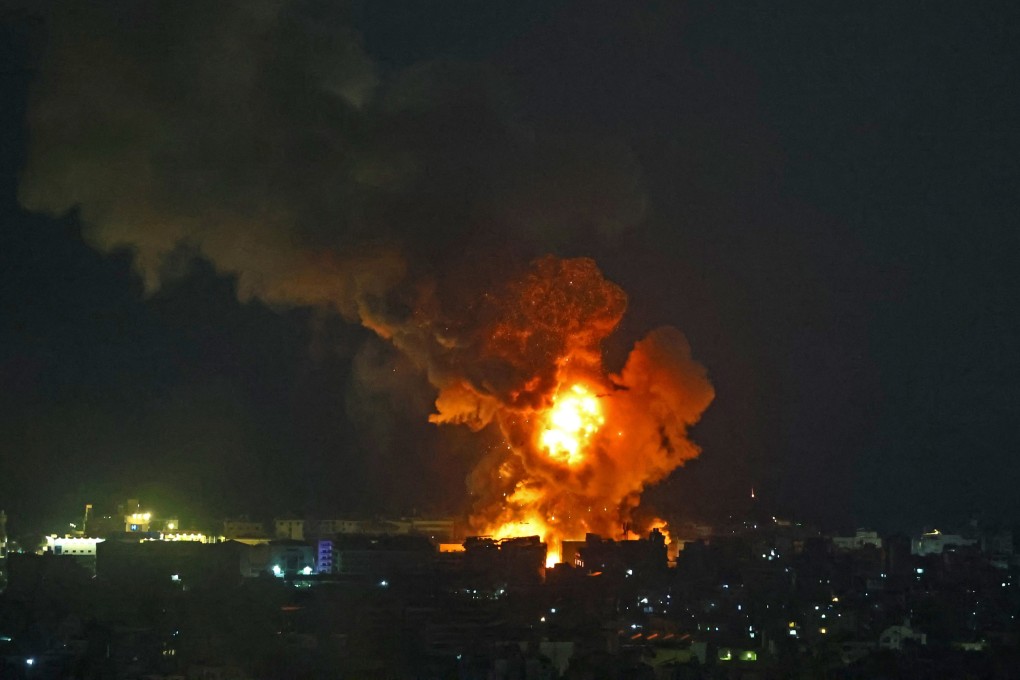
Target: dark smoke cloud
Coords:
[[259, 135]]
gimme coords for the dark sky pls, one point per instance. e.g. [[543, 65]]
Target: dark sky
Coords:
[[822, 196]]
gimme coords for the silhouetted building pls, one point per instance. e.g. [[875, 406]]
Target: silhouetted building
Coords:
[[382, 557], [514, 561], [158, 562], [642, 557]]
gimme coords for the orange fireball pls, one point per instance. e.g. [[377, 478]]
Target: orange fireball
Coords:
[[570, 423], [579, 444]]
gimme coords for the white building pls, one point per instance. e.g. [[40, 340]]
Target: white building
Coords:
[[935, 543], [74, 546]]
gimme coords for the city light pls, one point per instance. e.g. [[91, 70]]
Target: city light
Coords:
[[277, 571]]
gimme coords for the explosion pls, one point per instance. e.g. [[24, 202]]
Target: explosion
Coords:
[[578, 444], [401, 203], [570, 423]]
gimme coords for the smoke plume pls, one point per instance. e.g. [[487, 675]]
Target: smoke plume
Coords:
[[262, 136]]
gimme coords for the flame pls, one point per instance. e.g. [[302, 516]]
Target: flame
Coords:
[[570, 423], [553, 557], [579, 444], [533, 525], [663, 528], [566, 432]]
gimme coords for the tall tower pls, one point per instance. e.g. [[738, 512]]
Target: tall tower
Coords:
[[3, 534]]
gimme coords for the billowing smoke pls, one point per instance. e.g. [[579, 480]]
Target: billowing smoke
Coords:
[[261, 135], [564, 474]]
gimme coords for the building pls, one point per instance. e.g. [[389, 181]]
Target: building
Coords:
[[935, 543], [643, 556], [243, 528], [436, 529], [194, 536], [280, 558], [3, 534], [324, 557], [862, 538], [324, 528], [48, 578], [382, 556], [148, 563], [290, 529], [74, 546], [895, 637], [135, 519], [518, 561], [80, 548]]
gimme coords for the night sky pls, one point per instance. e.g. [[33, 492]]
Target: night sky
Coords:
[[822, 196]]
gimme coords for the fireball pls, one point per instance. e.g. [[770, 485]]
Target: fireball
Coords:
[[579, 444], [570, 424]]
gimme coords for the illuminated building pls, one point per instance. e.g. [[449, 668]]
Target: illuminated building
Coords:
[[280, 558], [82, 549], [135, 519], [74, 546], [571, 553], [935, 543], [3, 534], [193, 536], [324, 557]]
